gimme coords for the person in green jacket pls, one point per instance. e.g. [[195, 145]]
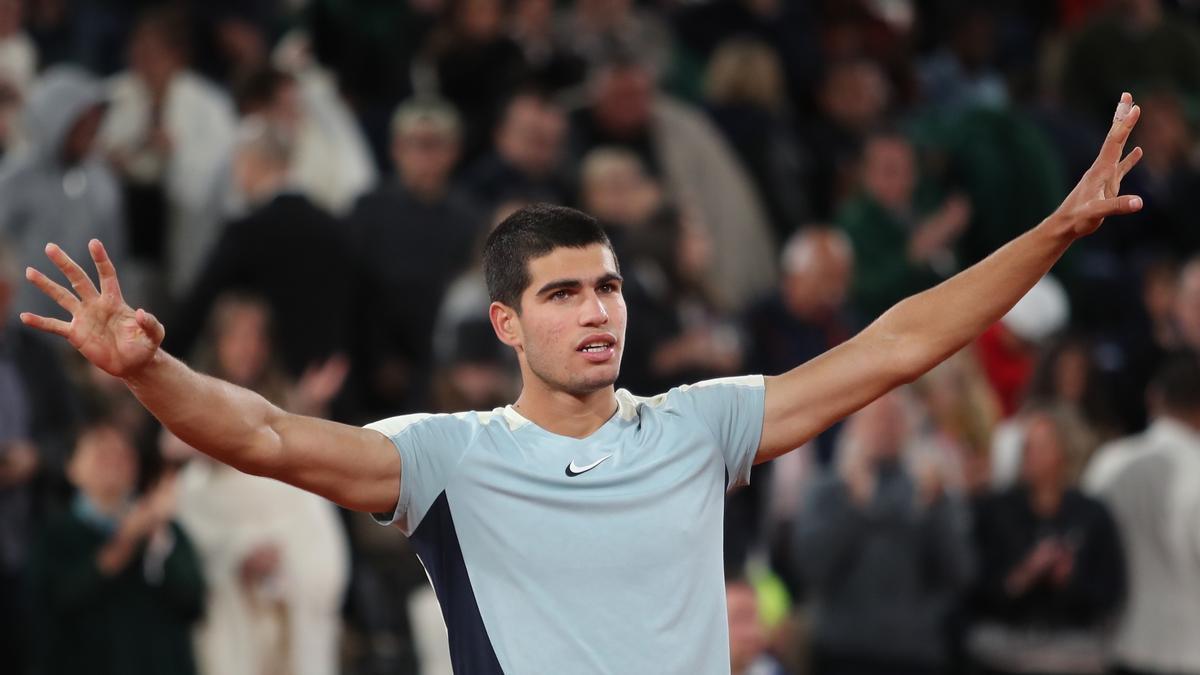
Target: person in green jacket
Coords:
[[117, 583], [903, 243]]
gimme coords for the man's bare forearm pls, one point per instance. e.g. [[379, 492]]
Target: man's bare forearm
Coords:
[[227, 422], [930, 326]]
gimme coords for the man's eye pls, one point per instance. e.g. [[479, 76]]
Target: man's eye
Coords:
[[558, 295]]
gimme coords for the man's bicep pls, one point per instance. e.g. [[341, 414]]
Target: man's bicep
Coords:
[[353, 467], [810, 398]]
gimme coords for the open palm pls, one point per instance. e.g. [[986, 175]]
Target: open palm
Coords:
[[109, 333], [1098, 193]]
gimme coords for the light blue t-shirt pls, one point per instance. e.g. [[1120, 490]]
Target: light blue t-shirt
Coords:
[[551, 554]]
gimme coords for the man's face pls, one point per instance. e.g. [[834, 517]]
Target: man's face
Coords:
[[1187, 305], [152, 57], [624, 101], [1044, 458], [104, 466], [571, 330], [531, 136], [747, 639], [425, 155], [890, 172]]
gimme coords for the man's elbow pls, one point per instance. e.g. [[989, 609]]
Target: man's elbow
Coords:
[[261, 456], [906, 357]]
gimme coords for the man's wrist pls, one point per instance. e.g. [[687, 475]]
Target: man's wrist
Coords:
[[142, 375], [1059, 228]]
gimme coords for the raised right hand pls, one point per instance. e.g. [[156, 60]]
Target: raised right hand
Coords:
[[108, 332]]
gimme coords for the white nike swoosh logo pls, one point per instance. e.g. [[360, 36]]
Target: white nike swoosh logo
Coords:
[[573, 470]]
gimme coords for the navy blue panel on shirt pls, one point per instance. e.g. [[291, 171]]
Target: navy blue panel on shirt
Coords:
[[436, 542]]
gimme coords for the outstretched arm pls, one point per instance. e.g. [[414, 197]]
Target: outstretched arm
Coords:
[[923, 330], [357, 468]]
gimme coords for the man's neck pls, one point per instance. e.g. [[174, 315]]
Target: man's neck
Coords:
[[564, 413]]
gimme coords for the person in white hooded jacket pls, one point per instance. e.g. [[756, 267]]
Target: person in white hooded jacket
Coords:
[[53, 186]]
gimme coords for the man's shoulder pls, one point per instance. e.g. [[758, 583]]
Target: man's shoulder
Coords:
[[681, 399], [466, 422]]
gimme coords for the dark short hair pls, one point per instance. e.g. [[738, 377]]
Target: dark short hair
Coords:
[[532, 232], [258, 88], [1177, 383]]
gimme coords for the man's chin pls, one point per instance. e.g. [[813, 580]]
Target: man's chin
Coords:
[[596, 381]]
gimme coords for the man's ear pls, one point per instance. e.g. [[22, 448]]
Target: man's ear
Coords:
[[506, 323]]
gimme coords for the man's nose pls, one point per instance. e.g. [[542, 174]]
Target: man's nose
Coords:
[[593, 313]]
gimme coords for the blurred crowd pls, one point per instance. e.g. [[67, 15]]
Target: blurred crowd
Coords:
[[300, 188]]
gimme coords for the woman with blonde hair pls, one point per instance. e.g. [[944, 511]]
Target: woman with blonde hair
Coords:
[[276, 557]]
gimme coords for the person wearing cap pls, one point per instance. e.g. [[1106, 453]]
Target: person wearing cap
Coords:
[[54, 186], [414, 234]]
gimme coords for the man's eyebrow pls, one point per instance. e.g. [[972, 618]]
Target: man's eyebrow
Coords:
[[574, 284], [558, 284]]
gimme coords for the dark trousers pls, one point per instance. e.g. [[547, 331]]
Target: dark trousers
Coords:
[[825, 662], [14, 618]]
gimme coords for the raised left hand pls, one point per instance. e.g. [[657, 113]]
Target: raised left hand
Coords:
[[1097, 195]]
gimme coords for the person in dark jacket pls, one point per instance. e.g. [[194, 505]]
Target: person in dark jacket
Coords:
[[413, 235], [286, 250], [38, 413], [1051, 568], [117, 582], [884, 549]]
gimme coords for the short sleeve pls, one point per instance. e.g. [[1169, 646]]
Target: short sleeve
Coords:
[[731, 409], [430, 447]]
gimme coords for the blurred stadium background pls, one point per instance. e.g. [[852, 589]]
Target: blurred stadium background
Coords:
[[299, 189]]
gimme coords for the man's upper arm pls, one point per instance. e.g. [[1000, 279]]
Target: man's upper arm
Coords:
[[351, 466], [810, 398], [430, 447]]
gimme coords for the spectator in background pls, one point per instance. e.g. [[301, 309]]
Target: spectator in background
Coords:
[[286, 250], [961, 412], [466, 302], [1008, 350], [56, 188], [526, 161], [747, 99], [853, 99], [1151, 483], [18, 54], [38, 411], [170, 133], [1134, 45], [962, 73], [330, 163], [1143, 340], [552, 64], [680, 336], [1051, 566], [903, 243], [747, 635], [18, 66], [1068, 375], [118, 584], [884, 550], [1186, 310], [592, 28], [1168, 179], [695, 166], [807, 315], [275, 557], [414, 234], [615, 188], [476, 65]]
